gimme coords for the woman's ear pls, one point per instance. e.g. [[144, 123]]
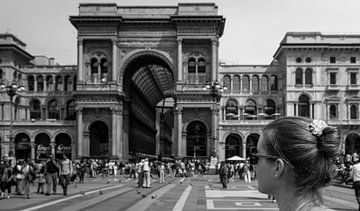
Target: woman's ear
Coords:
[[279, 167]]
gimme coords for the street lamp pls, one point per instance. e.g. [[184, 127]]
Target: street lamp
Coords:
[[12, 89], [216, 89]]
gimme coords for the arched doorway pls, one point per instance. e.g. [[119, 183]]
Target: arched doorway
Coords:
[[22, 146], [304, 106], [251, 142], [42, 147], [62, 145], [99, 139], [233, 146], [147, 80], [196, 140], [352, 143]]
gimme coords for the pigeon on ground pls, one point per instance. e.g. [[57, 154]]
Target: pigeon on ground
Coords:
[[108, 182], [100, 192], [153, 196], [143, 195]]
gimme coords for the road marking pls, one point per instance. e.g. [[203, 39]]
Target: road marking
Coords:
[[251, 187], [181, 202], [210, 206], [96, 200], [248, 203], [243, 193], [147, 201], [69, 198]]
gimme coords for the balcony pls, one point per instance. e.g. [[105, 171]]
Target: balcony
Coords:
[[353, 87], [333, 87]]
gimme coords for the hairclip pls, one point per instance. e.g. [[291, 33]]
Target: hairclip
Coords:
[[317, 127]]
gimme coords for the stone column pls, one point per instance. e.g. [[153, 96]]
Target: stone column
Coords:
[[180, 61], [213, 59], [35, 83], [213, 129], [178, 114], [80, 132], [113, 146], [114, 50], [45, 83], [119, 139], [52, 145], [80, 61], [32, 145]]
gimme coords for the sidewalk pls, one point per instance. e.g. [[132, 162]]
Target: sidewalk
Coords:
[[17, 202]]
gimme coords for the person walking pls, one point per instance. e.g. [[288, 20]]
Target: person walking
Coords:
[[140, 173], [294, 160], [29, 177], [66, 170], [246, 172], [6, 178], [41, 179], [51, 171], [161, 169], [146, 169], [223, 172], [82, 171], [356, 177]]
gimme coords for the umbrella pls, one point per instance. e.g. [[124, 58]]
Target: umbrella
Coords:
[[276, 114], [236, 158], [262, 114]]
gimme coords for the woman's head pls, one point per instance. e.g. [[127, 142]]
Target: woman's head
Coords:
[[307, 149]]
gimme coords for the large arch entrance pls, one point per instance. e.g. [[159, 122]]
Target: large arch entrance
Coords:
[[99, 139], [251, 142], [147, 80], [62, 145], [22, 146], [352, 143], [233, 146], [42, 147], [196, 145]]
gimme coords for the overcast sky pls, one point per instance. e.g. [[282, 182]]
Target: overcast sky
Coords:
[[253, 28]]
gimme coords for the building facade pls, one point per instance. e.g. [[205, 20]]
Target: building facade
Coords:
[[138, 88]]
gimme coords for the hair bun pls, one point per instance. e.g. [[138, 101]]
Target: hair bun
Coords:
[[328, 143]]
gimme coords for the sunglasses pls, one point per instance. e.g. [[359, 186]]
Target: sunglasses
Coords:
[[255, 155]]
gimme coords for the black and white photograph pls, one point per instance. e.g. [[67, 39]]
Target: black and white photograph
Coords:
[[180, 105]]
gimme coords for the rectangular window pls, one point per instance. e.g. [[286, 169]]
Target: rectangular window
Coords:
[[332, 78], [353, 78], [352, 60], [332, 60], [294, 109], [2, 111]]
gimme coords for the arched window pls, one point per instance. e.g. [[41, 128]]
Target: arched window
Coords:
[[68, 83], [233, 146], [201, 70], [58, 83], [40, 83], [264, 83], [353, 112], [304, 106], [299, 76], [231, 110], [70, 109], [192, 70], [35, 111], [273, 82], [255, 83], [30, 81], [333, 111], [270, 107], [94, 69], [236, 82], [250, 107], [49, 83], [53, 110], [245, 83], [227, 82], [308, 76], [74, 84], [104, 70]]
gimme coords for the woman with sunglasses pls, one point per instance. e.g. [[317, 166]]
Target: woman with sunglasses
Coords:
[[294, 160]]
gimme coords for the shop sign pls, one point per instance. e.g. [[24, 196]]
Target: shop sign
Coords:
[[41, 149], [61, 149]]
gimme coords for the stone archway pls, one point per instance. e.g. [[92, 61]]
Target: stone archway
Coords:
[[42, 147], [99, 139], [196, 140], [22, 146], [251, 142], [352, 144], [233, 146]]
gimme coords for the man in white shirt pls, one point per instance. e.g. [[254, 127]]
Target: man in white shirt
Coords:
[[356, 177], [146, 169], [66, 170]]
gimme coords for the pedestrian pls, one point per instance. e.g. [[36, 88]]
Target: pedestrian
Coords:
[[6, 178], [41, 179], [246, 172], [223, 172], [19, 177], [82, 171], [146, 169], [356, 177], [29, 177], [66, 170], [140, 173], [161, 169], [51, 171], [294, 160]]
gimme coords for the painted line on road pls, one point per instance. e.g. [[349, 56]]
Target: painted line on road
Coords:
[[69, 198], [181, 202], [210, 206], [251, 187], [96, 200], [147, 201]]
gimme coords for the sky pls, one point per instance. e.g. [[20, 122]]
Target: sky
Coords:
[[253, 28]]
